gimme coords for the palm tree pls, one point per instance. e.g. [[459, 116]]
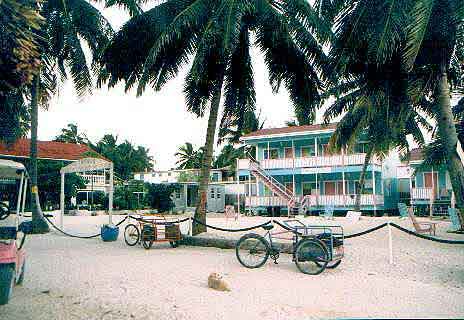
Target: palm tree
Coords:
[[215, 36], [414, 42], [367, 117], [188, 157], [71, 134], [67, 23], [19, 22]]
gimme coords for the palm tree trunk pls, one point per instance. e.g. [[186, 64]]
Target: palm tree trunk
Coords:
[[39, 225], [447, 130], [200, 212], [362, 178]]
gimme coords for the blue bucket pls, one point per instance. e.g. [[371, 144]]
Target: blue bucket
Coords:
[[109, 233]]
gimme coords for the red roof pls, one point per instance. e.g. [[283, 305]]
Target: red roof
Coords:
[[46, 150], [294, 129], [416, 155]]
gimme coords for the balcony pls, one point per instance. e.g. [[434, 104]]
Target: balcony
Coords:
[[310, 162], [317, 201]]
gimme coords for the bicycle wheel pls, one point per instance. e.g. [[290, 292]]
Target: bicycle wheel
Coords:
[[333, 264], [252, 250], [174, 244], [311, 256], [131, 235], [147, 236]]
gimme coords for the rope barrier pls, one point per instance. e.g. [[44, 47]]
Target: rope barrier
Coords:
[[426, 237], [231, 230], [366, 231], [81, 237]]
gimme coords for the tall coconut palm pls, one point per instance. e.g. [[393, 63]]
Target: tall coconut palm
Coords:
[[368, 117], [68, 23], [421, 37], [188, 157], [215, 37], [19, 22]]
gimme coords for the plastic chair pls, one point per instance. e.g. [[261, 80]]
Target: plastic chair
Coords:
[[403, 209], [328, 212]]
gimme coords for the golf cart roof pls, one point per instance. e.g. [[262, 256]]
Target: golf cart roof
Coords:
[[11, 169]]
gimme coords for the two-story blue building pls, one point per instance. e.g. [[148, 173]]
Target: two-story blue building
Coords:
[[293, 168]]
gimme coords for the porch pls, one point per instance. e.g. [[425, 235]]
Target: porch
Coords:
[[318, 201]]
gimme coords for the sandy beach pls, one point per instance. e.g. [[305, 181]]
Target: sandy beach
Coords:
[[70, 278]]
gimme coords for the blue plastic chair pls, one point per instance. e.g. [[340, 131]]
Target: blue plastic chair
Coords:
[[328, 212], [455, 223], [403, 209]]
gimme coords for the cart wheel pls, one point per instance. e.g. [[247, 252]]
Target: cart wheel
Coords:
[[333, 264], [252, 250], [174, 244], [6, 282], [311, 256], [21, 275], [131, 235], [147, 243]]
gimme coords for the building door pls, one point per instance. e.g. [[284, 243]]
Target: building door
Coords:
[[329, 188], [215, 201], [431, 181]]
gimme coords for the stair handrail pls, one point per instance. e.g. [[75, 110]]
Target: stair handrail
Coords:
[[283, 189]]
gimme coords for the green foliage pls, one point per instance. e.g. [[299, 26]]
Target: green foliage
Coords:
[[126, 157], [125, 198], [14, 116], [72, 135], [158, 196], [189, 177], [49, 181]]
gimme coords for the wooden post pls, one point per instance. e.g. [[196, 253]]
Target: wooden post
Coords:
[[343, 177], [390, 244], [62, 200], [110, 196], [238, 187], [373, 191], [432, 194]]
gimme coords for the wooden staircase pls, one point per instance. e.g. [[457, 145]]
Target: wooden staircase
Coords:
[[275, 186]]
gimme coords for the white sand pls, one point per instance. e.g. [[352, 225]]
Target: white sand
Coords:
[[90, 279]]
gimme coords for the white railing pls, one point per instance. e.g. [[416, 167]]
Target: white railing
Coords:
[[318, 201], [93, 179], [421, 193], [310, 162]]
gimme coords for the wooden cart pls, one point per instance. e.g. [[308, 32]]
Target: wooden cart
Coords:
[[154, 229]]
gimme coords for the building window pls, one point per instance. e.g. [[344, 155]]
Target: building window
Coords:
[[218, 194], [288, 152], [212, 193], [178, 194], [273, 153], [141, 176], [308, 151], [215, 177]]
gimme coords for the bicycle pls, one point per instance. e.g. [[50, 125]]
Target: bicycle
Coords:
[[315, 248]]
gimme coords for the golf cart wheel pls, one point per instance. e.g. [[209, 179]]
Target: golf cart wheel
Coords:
[[311, 256], [131, 235], [252, 250], [7, 272], [21, 275]]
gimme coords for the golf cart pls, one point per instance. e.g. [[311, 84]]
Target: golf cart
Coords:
[[12, 230]]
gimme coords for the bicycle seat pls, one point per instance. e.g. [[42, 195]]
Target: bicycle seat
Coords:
[[268, 227]]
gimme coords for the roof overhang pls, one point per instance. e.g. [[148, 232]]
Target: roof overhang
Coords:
[[286, 134], [11, 169], [87, 164]]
